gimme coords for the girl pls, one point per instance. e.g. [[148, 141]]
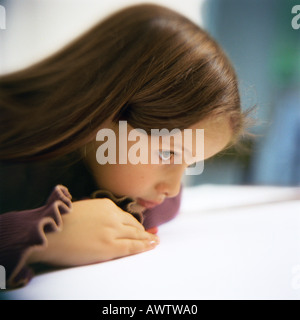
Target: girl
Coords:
[[145, 64]]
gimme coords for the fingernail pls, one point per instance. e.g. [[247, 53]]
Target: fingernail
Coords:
[[152, 244], [154, 240]]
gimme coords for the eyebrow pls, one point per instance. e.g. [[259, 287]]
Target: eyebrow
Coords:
[[182, 149]]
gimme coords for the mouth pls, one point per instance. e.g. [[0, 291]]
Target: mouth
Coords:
[[147, 204]]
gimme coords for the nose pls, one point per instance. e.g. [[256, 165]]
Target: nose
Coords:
[[170, 186]]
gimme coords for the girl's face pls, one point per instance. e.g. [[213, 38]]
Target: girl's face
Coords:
[[151, 183]]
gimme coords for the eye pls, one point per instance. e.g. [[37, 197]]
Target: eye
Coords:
[[166, 155]]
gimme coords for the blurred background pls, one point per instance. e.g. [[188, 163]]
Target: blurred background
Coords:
[[258, 37], [265, 50]]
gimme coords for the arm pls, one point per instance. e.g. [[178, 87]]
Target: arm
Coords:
[[67, 234], [96, 230], [22, 232]]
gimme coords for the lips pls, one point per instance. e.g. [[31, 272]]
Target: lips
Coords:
[[147, 204]]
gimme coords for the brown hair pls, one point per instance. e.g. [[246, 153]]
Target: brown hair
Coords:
[[146, 64]]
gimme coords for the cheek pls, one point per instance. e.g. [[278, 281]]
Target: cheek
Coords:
[[131, 180]]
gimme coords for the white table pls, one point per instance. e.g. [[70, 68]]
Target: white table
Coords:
[[228, 242]]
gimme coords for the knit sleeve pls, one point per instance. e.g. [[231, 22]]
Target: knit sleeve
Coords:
[[150, 218], [162, 213], [22, 232]]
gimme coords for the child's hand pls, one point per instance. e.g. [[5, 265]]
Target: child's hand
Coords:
[[96, 230]]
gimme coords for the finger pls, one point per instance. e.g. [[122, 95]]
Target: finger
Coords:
[[153, 230], [130, 232], [135, 224], [129, 220], [128, 246]]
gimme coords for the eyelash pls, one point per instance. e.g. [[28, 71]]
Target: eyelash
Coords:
[[172, 153]]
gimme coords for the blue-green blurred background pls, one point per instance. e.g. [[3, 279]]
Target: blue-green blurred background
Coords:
[[258, 37]]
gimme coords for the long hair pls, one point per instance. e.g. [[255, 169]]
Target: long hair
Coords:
[[145, 64]]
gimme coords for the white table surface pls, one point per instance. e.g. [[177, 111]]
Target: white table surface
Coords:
[[228, 242]]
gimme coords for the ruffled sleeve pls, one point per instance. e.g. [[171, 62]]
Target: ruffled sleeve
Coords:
[[150, 218], [22, 232]]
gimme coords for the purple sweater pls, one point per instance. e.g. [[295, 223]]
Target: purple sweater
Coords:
[[23, 231]]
